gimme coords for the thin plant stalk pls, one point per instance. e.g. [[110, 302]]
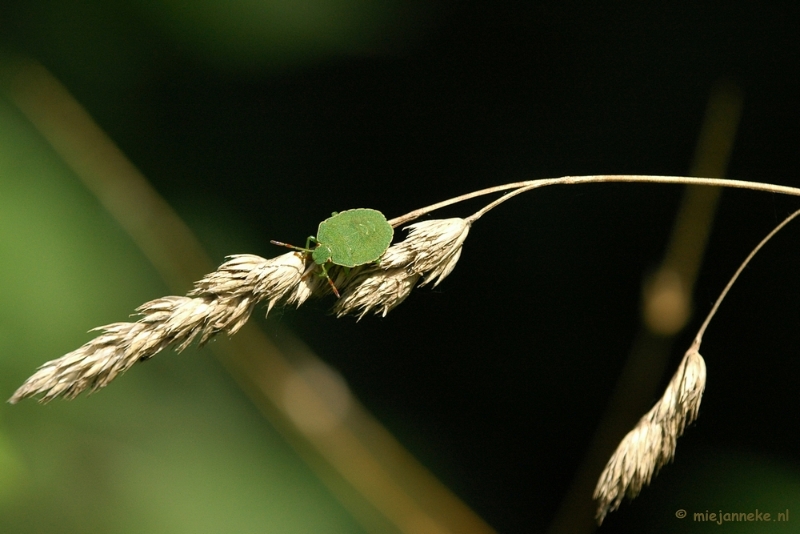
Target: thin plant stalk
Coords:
[[698, 339], [528, 185]]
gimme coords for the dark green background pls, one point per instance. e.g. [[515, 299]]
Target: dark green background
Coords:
[[257, 119]]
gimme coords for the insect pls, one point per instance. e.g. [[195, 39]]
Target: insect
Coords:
[[348, 238]]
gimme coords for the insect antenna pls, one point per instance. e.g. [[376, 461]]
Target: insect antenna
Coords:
[[287, 245]]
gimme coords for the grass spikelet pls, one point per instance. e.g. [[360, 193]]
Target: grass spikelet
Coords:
[[651, 443], [221, 301]]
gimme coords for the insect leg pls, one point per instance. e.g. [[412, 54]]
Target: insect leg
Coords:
[[324, 267]]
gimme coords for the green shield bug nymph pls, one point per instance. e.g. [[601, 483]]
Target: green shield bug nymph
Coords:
[[348, 239]]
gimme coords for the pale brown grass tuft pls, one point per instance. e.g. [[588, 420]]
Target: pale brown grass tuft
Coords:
[[651, 443], [221, 302], [429, 252]]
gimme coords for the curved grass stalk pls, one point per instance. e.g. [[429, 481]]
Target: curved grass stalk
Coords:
[[651, 443], [518, 188]]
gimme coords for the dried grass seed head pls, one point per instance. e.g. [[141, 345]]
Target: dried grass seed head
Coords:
[[94, 364], [432, 249], [310, 284], [378, 290], [221, 301], [651, 443], [256, 278]]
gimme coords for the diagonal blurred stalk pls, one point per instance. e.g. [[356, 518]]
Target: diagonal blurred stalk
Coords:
[[382, 485], [666, 308]]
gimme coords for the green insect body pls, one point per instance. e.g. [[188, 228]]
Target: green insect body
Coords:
[[348, 239]]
